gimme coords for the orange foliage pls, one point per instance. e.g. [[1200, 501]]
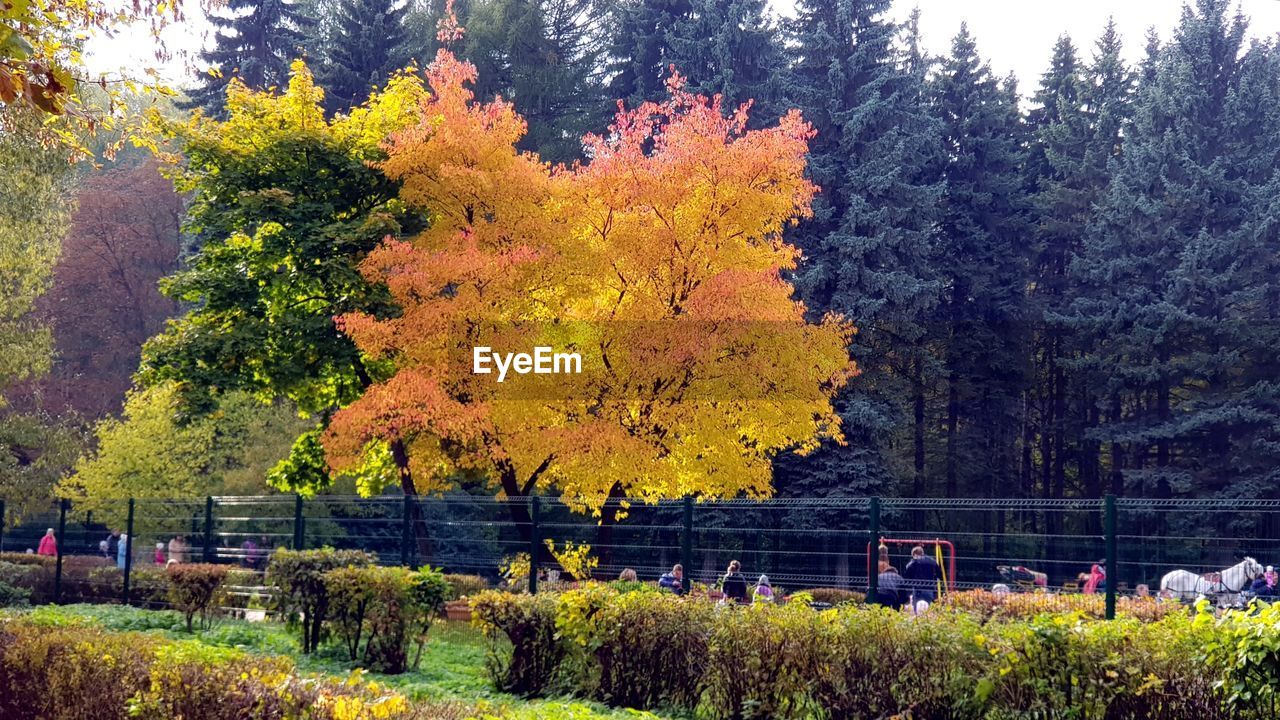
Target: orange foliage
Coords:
[[660, 262]]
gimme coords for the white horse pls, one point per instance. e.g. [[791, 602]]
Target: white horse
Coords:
[[1226, 585]]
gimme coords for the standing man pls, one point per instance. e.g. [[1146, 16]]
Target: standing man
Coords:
[[922, 575]]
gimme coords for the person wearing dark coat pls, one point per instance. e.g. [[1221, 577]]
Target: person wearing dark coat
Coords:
[[734, 585], [921, 576], [890, 591], [113, 544]]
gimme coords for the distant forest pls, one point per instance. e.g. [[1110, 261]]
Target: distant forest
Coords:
[[1065, 285]]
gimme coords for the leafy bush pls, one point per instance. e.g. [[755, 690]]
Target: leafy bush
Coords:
[[149, 587], [28, 559], [463, 586], [298, 576], [11, 596], [35, 578], [386, 612], [195, 589], [986, 604], [646, 648], [787, 661], [526, 651], [832, 596], [82, 673]]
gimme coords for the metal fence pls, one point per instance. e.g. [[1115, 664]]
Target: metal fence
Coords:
[[798, 542]]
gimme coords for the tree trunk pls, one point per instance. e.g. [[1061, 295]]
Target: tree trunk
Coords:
[[421, 533]]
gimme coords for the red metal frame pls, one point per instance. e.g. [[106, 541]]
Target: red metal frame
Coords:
[[945, 544]]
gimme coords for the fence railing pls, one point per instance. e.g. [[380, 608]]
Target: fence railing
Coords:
[[798, 542]]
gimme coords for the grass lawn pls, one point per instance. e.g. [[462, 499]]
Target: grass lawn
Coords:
[[452, 664]]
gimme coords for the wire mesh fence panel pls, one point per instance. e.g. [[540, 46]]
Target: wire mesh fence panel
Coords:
[[799, 543], [1024, 544], [1201, 537]]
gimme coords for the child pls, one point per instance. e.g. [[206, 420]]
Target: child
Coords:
[[160, 553], [764, 592]]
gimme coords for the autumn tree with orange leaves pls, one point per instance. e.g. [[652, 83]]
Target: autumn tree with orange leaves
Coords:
[[660, 262]]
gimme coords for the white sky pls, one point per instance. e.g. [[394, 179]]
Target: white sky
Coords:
[[1014, 35]]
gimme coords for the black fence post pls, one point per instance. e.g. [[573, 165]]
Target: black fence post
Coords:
[[406, 529], [873, 551], [128, 552], [686, 544], [1, 525], [1113, 570], [535, 543], [299, 526], [62, 538], [208, 529]]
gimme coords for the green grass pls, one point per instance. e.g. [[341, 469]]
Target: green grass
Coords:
[[453, 664]]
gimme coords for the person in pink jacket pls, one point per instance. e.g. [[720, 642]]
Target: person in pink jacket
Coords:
[[48, 544]]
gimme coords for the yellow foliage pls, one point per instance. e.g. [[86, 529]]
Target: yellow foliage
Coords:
[[660, 263]]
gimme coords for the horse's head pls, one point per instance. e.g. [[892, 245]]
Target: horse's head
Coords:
[[1252, 568]]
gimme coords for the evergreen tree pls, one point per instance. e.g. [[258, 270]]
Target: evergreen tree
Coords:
[[1179, 270], [870, 248], [734, 49], [255, 41], [546, 56], [364, 43], [639, 50], [984, 252]]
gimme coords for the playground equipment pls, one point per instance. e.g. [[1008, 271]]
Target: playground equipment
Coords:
[[940, 547]]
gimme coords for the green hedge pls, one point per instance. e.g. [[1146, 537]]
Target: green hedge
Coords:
[[81, 673], [765, 661]]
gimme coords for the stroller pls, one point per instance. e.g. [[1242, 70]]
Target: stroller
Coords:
[[1023, 579]]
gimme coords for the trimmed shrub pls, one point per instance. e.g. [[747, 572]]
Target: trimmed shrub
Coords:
[[298, 576], [82, 673], [464, 586], [851, 662], [832, 596], [383, 614], [11, 596], [525, 651], [28, 559], [148, 587], [195, 589], [986, 604], [646, 648], [35, 578]]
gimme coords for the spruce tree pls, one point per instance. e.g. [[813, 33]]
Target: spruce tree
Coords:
[[639, 53], [984, 252], [871, 247], [364, 43], [255, 41], [1179, 271], [732, 48], [547, 57]]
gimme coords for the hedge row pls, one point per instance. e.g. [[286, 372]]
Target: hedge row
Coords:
[[646, 650], [78, 672]]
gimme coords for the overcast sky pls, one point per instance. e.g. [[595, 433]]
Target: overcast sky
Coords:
[[1015, 35]]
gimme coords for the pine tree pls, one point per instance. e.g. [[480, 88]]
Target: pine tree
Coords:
[[1179, 271], [364, 44], [984, 253], [870, 248], [255, 41]]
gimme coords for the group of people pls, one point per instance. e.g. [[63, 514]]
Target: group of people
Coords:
[[916, 586], [733, 584], [116, 546]]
